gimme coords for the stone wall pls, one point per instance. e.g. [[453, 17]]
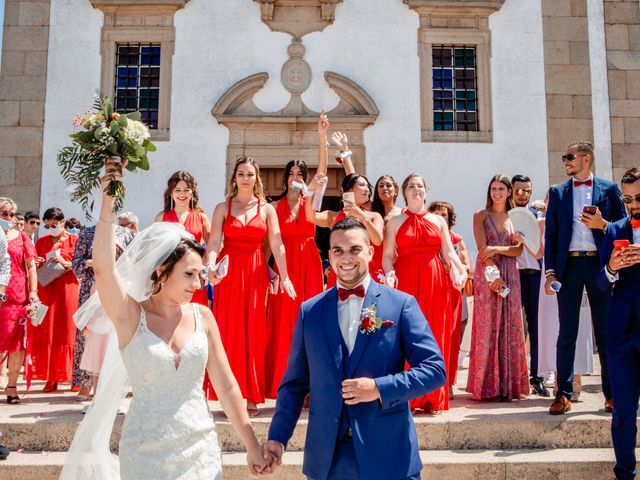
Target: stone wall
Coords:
[[567, 78], [22, 97], [622, 29]]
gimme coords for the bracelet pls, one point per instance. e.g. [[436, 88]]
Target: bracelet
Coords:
[[611, 271]]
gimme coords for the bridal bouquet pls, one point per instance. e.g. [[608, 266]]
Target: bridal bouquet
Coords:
[[104, 133]]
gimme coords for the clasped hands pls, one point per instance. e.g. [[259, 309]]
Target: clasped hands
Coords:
[[354, 391]]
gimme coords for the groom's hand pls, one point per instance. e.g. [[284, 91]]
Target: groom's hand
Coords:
[[357, 390], [274, 450]]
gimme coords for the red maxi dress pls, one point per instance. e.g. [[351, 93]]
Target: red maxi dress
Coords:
[[421, 273], [305, 272], [240, 302], [53, 341], [194, 225]]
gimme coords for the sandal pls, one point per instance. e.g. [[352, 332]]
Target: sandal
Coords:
[[12, 399], [253, 412]]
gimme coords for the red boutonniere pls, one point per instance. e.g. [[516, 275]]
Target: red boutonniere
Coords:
[[371, 321]]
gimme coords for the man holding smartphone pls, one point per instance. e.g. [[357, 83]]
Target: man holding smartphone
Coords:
[[577, 217], [620, 267]]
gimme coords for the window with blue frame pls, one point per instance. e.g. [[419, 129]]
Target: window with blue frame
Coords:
[[137, 82], [455, 88]]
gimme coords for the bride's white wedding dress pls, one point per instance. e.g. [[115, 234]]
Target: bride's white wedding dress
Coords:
[[168, 432]]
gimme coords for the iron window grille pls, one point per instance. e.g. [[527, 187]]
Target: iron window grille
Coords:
[[137, 80], [455, 88]]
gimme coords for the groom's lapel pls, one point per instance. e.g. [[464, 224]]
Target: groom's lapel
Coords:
[[330, 308], [362, 340]]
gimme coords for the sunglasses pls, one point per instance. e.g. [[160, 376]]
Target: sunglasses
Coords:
[[522, 191], [570, 156], [34, 222], [7, 213], [630, 200]]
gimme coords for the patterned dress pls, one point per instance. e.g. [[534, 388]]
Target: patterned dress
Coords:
[[86, 277], [498, 361]]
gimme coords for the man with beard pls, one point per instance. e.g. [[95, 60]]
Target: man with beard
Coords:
[[530, 275], [620, 254]]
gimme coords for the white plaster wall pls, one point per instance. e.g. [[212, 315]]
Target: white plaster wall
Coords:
[[373, 42]]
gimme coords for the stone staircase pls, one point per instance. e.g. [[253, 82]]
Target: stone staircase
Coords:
[[474, 440]]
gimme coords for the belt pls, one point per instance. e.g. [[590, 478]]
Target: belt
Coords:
[[591, 253], [530, 271]]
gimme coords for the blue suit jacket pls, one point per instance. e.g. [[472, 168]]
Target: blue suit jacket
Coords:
[[626, 290], [559, 220], [383, 431]]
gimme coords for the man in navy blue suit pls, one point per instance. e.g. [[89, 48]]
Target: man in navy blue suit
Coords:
[[578, 214], [621, 273], [349, 349]]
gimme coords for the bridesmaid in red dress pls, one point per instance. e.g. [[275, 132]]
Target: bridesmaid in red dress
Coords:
[[240, 298], [446, 211], [305, 271], [352, 183], [55, 338], [181, 205], [22, 288], [422, 239], [385, 195]]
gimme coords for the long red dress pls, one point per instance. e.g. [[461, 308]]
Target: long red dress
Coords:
[[497, 360], [421, 273], [194, 225], [240, 302], [12, 326], [456, 309], [305, 272], [54, 339]]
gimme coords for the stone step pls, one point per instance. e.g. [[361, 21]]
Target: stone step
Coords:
[[549, 464]]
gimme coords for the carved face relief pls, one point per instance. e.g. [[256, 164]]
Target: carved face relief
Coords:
[[296, 75]]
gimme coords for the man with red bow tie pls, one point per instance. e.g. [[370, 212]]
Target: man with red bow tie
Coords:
[[349, 350], [577, 217], [620, 273]]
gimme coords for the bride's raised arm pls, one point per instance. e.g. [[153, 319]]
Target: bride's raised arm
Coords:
[[121, 309]]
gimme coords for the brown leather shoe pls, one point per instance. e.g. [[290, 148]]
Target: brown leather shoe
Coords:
[[560, 405], [608, 405]]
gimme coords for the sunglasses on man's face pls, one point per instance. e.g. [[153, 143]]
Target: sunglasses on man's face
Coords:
[[570, 156], [7, 214], [34, 222], [628, 200]]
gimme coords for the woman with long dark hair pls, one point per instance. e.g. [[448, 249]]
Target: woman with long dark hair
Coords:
[[245, 220], [385, 194], [181, 205], [303, 264], [498, 361]]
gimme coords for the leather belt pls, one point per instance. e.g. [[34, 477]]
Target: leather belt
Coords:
[[591, 253]]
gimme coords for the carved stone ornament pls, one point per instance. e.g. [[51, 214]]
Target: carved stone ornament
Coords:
[[297, 17], [296, 73]]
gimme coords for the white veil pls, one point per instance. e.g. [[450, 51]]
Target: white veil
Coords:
[[89, 457]]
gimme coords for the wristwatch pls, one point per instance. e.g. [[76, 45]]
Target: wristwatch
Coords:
[[3, 297]]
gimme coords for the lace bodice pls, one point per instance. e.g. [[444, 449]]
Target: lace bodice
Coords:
[[168, 432]]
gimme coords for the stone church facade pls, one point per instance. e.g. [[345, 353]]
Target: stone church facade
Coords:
[[455, 90]]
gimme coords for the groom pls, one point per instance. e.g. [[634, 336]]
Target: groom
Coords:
[[348, 351]]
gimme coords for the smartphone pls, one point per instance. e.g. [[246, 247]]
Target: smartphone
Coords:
[[590, 209], [349, 197], [620, 244]]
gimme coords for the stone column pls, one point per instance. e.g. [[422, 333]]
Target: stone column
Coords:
[[22, 96], [567, 79], [622, 31]]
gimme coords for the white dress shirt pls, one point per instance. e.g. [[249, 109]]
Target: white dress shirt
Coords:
[[581, 236], [636, 241], [350, 314], [5, 260]]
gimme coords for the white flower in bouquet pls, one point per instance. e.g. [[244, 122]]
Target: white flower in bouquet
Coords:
[[137, 131]]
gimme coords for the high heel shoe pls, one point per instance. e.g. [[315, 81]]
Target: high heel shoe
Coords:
[[12, 399], [50, 387]]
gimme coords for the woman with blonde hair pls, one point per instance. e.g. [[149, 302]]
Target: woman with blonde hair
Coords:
[[243, 222]]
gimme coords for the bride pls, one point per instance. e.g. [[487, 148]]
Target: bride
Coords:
[[165, 343]]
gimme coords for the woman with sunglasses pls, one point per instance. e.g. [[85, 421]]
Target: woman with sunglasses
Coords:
[[22, 288], [55, 338]]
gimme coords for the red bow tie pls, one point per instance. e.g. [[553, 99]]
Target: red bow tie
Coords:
[[345, 293], [635, 224], [586, 183]]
